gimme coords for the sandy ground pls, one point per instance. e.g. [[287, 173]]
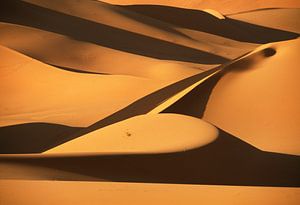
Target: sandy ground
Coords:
[[58, 192]]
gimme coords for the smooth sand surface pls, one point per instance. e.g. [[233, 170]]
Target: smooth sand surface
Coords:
[[144, 134], [66, 192]]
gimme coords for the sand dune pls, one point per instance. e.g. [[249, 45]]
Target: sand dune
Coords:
[[266, 115], [143, 134], [149, 102], [257, 116]]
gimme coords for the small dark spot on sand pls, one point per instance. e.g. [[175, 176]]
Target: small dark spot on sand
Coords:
[[268, 52]]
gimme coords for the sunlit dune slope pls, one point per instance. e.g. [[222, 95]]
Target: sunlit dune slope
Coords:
[[258, 99], [34, 92], [158, 133]]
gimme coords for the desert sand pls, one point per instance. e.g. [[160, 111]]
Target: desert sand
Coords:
[[117, 193], [149, 102]]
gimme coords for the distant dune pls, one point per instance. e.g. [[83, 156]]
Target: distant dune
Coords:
[[223, 6]]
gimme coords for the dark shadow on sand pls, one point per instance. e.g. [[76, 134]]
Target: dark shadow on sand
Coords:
[[194, 102], [202, 21], [23, 13]]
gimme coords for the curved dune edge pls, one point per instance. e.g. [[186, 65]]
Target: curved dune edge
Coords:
[[161, 133], [258, 100]]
